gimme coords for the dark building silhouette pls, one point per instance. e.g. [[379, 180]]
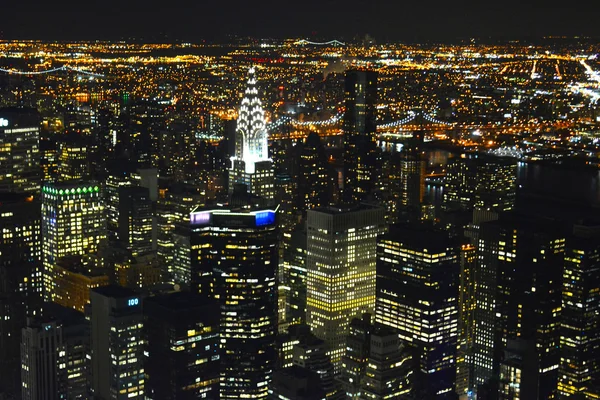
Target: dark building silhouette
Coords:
[[20, 280], [182, 337], [359, 128], [313, 174], [135, 219], [296, 383]]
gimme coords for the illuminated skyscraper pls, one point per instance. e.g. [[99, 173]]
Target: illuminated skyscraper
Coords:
[[360, 129], [518, 295], [73, 158], [54, 351], [251, 164], [117, 344], [73, 223], [20, 279], [354, 361], [417, 277], [20, 150], [412, 178], [234, 258], [340, 280], [519, 371], [579, 368]]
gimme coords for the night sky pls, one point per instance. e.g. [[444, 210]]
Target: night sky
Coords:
[[195, 20]]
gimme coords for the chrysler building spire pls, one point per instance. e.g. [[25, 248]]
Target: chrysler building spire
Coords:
[[251, 127], [251, 164]]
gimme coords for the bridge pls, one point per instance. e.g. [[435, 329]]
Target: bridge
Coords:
[[335, 43], [418, 117], [51, 71]]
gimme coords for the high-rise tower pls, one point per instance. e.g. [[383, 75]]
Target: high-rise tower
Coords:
[[234, 259], [251, 164], [117, 343], [340, 271], [417, 273], [73, 223], [360, 128], [19, 150]]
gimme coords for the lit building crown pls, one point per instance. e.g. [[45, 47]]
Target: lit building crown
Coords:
[[251, 126]]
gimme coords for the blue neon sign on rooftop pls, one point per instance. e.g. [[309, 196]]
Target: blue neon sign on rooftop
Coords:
[[265, 218]]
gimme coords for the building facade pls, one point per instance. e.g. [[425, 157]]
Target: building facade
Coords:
[[117, 344], [417, 279], [20, 169], [234, 259], [340, 265], [73, 223]]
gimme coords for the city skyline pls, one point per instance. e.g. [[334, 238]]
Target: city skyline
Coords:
[[299, 219]]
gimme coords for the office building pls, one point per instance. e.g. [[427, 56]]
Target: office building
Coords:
[[518, 371], [135, 220], [313, 174], [251, 165], [141, 272], [54, 350], [376, 364], [73, 158], [173, 209], [286, 341], [359, 127], [483, 182], [518, 295], [234, 258], [417, 279], [73, 223], [20, 280], [124, 175], [20, 169], [74, 279], [466, 320], [354, 361], [579, 367], [340, 271], [117, 344], [294, 278], [389, 367], [182, 337], [299, 347]]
